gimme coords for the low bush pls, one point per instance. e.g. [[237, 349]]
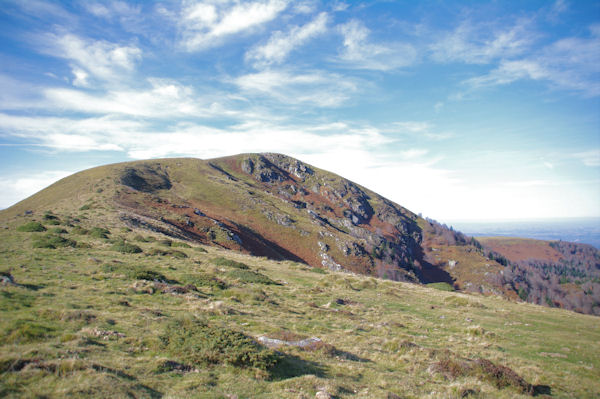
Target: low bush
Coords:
[[57, 230], [198, 343], [220, 261], [166, 243], [53, 241], [31, 227]]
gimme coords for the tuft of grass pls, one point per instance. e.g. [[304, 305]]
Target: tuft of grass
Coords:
[[149, 275], [180, 244], [99, 232], [199, 343], [126, 248], [249, 276], [165, 242], [204, 280], [53, 241], [57, 230], [79, 230], [220, 261], [441, 286], [164, 252], [26, 331], [30, 227]]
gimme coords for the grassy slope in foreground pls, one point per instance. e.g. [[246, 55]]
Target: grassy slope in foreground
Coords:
[[84, 321]]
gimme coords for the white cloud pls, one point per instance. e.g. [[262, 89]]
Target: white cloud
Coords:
[[18, 188], [205, 24], [318, 88], [281, 44], [164, 98], [93, 58], [589, 158], [480, 44], [569, 64], [360, 53]]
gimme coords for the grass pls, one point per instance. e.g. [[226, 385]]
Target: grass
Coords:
[[31, 227], [53, 241], [126, 248], [78, 329]]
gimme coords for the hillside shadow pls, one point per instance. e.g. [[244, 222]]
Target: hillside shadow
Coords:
[[430, 273], [258, 245], [291, 366]]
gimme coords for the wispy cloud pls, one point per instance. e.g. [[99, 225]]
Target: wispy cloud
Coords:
[[478, 43], [97, 59], [360, 53], [589, 158], [206, 24], [569, 64], [281, 44], [317, 88]]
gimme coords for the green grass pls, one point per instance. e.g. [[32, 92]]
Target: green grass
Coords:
[[126, 248], [31, 227], [53, 241], [221, 261], [75, 325], [441, 286]]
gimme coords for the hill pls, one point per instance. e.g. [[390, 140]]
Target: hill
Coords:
[[275, 206], [261, 276]]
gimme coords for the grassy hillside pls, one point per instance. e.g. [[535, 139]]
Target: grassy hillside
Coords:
[[91, 308], [275, 206]]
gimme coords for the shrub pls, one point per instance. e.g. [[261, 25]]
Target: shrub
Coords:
[[199, 343], [166, 243], [220, 261], [126, 248], [180, 244], [99, 232], [249, 276], [53, 241], [53, 222], [200, 249], [31, 227], [57, 230], [85, 207]]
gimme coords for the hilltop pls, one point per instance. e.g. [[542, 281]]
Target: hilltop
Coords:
[[276, 206]]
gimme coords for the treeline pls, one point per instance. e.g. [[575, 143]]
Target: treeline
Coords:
[[572, 283]]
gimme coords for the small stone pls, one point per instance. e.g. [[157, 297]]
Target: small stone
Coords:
[[323, 395]]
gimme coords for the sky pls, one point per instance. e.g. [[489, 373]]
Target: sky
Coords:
[[459, 110]]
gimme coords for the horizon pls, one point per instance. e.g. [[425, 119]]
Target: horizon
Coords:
[[456, 111]]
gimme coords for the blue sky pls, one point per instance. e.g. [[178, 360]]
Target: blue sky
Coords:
[[459, 110]]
